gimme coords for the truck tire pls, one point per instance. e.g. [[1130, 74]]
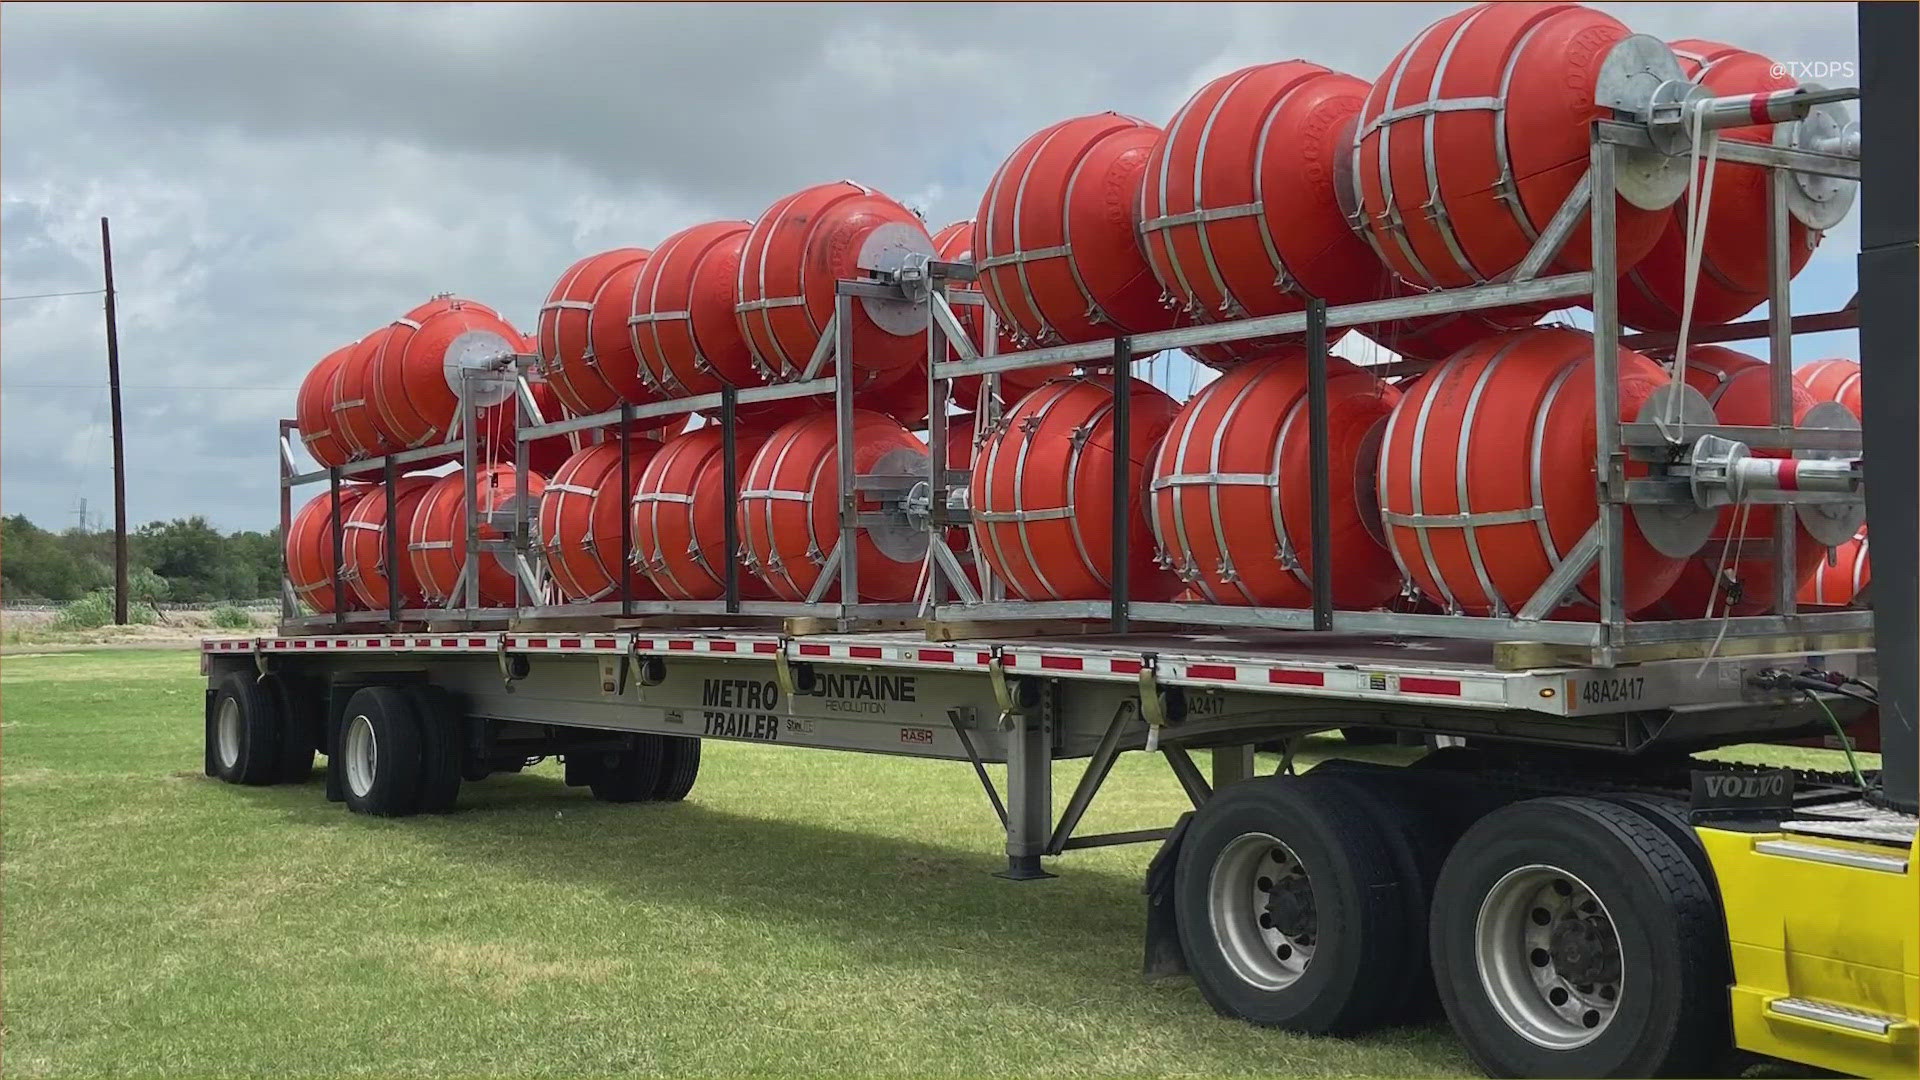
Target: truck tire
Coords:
[[297, 720], [1311, 950], [440, 745], [379, 756], [243, 731], [1574, 937], [1418, 837], [679, 767], [632, 775]]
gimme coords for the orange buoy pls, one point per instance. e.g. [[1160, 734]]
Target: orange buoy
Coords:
[[795, 253], [679, 515], [1239, 212], [571, 332], [1832, 380], [545, 455], [1486, 473], [417, 371], [350, 395], [1042, 492], [962, 443], [1733, 256], [790, 508], [364, 568], [1054, 240], [313, 408], [437, 543], [580, 521], [1232, 503], [1436, 337], [309, 549], [1475, 134], [683, 324], [1842, 581], [955, 244], [1734, 573]]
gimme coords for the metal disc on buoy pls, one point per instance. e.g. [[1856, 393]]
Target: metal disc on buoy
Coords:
[[580, 521], [790, 508], [1733, 573], [1042, 492], [1733, 259], [1232, 504], [799, 249], [309, 550], [1486, 474], [679, 514], [423, 359], [364, 545], [1832, 380], [1055, 239], [437, 543], [1475, 134]]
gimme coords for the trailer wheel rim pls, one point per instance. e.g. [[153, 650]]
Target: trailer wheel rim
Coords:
[[362, 752], [1260, 905], [1549, 957], [227, 733]]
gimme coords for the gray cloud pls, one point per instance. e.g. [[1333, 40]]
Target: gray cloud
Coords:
[[284, 178]]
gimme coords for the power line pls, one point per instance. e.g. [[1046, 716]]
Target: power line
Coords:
[[50, 295], [9, 384]]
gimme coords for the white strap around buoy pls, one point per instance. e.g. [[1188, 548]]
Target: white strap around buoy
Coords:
[[1696, 248]]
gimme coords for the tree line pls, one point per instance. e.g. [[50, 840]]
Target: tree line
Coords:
[[193, 562]]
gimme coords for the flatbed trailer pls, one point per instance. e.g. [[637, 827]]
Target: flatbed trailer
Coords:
[[1580, 893]]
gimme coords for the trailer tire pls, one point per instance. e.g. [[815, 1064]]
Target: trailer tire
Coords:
[[297, 720], [1418, 837], [679, 767], [440, 746], [243, 731], [1332, 928], [379, 758], [631, 775], [1574, 937]]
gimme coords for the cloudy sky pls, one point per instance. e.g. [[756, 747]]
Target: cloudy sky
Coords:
[[284, 179]]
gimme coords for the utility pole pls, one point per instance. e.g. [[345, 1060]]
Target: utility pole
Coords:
[[119, 447]]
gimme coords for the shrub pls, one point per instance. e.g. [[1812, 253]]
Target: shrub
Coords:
[[95, 610], [232, 617]]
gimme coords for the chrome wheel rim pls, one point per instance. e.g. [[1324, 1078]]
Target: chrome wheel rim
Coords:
[[1549, 957], [362, 752], [1260, 904], [226, 730]]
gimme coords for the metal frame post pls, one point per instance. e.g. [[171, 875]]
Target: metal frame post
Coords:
[[1321, 549], [336, 527], [469, 461], [730, 495], [390, 535], [843, 446], [938, 393], [625, 563], [289, 607], [1608, 460], [1122, 479], [1029, 796], [1786, 524], [522, 533]]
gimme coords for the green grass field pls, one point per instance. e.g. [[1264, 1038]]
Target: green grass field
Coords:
[[803, 912]]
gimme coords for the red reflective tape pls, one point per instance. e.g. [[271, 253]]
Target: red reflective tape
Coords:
[[1757, 108], [1296, 678], [766, 647], [1789, 474], [1062, 663], [864, 652], [373, 643], [606, 643], [449, 643], [397, 643], [643, 644], [680, 645], [1417, 684], [1124, 667], [937, 656], [1211, 671], [570, 643], [983, 659], [301, 644], [473, 643], [815, 650], [534, 643], [723, 646]]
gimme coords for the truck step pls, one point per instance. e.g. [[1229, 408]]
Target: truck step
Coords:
[[1838, 1017]]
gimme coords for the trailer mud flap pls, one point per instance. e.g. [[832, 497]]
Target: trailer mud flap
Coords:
[[211, 766], [1164, 959]]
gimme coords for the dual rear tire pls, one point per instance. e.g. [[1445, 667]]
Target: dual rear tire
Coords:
[[259, 732], [399, 751], [1563, 936]]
